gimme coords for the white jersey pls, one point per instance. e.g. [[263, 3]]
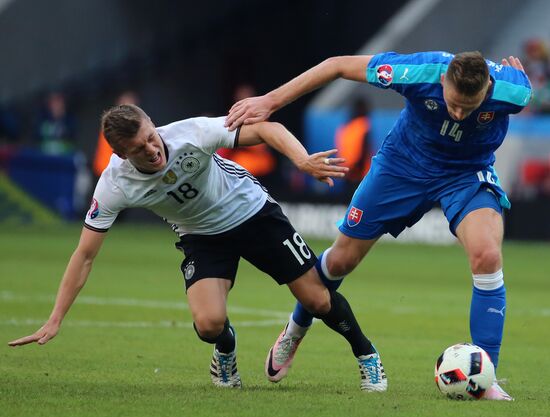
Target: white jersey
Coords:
[[197, 192]]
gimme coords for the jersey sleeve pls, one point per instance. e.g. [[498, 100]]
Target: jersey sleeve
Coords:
[[214, 135], [407, 74], [107, 202]]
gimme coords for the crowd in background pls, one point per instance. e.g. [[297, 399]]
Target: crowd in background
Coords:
[[50, 127], [537, 67], [534, 178]]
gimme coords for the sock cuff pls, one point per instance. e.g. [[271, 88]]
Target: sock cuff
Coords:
[[324, 267], [489, 282]]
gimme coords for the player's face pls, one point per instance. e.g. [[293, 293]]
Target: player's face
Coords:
[[146, 150], [460, 106]]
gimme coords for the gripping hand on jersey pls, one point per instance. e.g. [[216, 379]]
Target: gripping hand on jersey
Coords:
[[321, 166], [249, 111], [513, 62]]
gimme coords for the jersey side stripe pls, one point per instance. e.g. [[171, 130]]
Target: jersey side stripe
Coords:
[[227, 163], [511, 93], [230, 165], [254, 180], [238, 172]]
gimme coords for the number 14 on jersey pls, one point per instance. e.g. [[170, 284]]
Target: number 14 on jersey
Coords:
[[454, 132]]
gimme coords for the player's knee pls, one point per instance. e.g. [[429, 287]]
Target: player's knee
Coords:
[[208, 328], [342, 263], [485, 260], [317, 304]]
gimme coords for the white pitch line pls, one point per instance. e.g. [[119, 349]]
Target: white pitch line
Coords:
[[8, 296], [163, 324]]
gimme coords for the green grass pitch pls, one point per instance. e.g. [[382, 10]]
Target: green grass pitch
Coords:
[[127, 349]]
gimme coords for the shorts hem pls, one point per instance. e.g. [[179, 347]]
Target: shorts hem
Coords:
[[349, 233], [200, 279], [461, 216]]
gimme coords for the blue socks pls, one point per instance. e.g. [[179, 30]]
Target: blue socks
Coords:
[[300, 315], [487, 312]]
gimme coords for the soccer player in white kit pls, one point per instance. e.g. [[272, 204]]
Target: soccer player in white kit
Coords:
[[220, 212]]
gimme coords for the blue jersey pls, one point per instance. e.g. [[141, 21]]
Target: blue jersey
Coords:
[[425, 134]]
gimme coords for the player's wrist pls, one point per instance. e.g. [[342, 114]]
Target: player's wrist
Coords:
[[55, 319], [274, 101], [301, 162]]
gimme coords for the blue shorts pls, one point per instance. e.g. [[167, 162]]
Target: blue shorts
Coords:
[[393, 196]]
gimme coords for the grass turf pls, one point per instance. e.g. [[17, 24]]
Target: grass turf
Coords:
[[126, 347]]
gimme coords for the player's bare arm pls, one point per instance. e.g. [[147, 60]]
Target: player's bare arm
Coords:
[[75, 277], [318, 165], [257, 109]]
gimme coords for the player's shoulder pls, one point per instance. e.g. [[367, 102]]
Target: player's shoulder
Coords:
[[192, 124], [113, 179], [190, 131], [511, 85], [115, 170]]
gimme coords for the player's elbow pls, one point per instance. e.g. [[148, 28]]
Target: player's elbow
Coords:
[[336, 65], [267, 130]]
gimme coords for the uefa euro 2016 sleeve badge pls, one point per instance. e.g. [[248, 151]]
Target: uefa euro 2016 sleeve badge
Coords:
[[384, 74], [93, 212]]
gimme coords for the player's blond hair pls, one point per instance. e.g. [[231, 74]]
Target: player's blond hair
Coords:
[[468, 72], [121, 123]]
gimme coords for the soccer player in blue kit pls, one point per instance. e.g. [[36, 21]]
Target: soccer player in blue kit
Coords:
[[440, 151]]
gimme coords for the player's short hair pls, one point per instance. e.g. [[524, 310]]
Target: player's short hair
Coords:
[[121, 123], [468, 72]]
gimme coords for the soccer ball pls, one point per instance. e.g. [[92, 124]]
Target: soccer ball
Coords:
[[464, 371]]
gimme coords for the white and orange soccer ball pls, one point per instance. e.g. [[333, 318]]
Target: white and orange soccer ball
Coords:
[[464, 371]]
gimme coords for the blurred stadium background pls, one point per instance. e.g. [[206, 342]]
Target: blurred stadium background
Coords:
[[63, 62]]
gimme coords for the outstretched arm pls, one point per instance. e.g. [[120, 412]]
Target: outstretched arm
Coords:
[[75, 277], [318, 165], [257, 109]]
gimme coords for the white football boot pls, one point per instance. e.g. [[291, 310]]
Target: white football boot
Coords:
[[373, 377], [223, 368]]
